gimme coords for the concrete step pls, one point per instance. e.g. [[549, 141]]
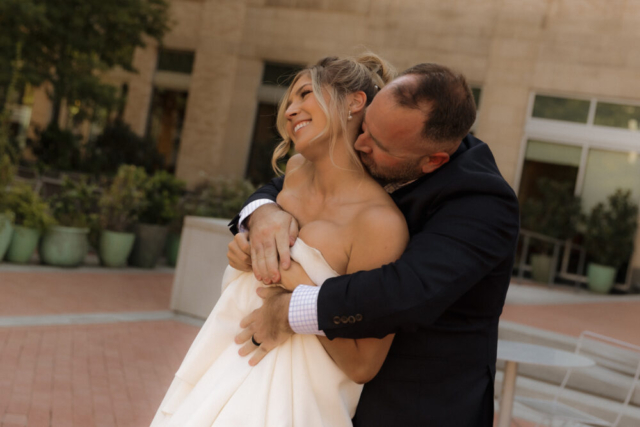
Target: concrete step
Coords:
[[608, 382]]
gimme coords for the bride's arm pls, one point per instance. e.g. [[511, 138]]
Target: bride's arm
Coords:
[[380, 238]]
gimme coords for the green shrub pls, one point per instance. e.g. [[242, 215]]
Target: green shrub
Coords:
[[122, 200], [555, 214], [611, 228], [28, 208], [57, 149], [218, 198], [119, 145], [76, 205], [162, 196]]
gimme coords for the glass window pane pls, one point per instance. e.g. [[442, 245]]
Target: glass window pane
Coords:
[[617, 115], [166, 118], [265, 140], [279, 74], [569, 110], [606, 172], [176, 61], [549, 152], [559, 162], [477, 92]]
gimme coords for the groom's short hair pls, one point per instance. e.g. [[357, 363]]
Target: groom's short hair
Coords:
[[445, 98]]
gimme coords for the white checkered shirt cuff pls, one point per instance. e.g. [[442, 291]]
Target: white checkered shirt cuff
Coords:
[[248, 210], [303, 310]]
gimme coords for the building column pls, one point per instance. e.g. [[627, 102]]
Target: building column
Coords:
[[140, 84], [505, 94], [212, 91]]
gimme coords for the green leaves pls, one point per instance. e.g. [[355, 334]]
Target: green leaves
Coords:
[[76, 205], [162, 197], [121, 202], [29, 209], [611, 229], [555, 213], [70, 42]]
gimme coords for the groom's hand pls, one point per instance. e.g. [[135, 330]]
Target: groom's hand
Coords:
[[268, 325], [271, 232]]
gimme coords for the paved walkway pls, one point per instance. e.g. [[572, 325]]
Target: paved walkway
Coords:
[[95, 347]]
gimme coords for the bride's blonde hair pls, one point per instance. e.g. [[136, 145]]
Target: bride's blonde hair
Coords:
[[339, 76]]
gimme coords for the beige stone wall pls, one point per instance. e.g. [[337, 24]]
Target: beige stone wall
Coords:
[[510, 48]]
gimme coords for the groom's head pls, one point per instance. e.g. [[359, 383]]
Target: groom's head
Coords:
[[415, 123]]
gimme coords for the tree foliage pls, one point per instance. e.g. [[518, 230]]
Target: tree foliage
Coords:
[[611, 229], [556, 213], [69, 43]]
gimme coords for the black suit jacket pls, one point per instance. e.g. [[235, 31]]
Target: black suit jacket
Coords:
[[442, 298]]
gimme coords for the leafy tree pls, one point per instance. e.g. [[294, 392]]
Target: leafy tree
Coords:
[[69, 43]]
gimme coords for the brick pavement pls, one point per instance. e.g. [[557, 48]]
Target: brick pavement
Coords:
[[88, 375], [115, 374], [34, 292]]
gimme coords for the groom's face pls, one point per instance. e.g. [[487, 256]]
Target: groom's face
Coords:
[[391, 145]]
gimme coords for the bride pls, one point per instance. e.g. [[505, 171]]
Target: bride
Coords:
[[347, 223]]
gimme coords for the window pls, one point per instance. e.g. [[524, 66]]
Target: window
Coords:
[[175, 61], [476, 92], [565, 109], [165, 123], [279, 74], [558, 162], [592, 144], [276, 78], [617, 115]]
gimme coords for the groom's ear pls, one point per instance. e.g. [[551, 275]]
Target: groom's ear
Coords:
[[356, 101]]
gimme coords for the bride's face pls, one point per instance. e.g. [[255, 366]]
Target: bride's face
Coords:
[[305, 117]]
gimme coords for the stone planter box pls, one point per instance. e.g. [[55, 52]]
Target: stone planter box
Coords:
[[201, 264]]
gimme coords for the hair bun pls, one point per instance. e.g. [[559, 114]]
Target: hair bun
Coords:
[[383, 70]]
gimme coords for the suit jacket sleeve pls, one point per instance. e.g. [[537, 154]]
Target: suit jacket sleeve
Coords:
[[268, 191], [462, 242]]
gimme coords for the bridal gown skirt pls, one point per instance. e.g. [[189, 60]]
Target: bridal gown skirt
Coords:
[[296, 384]]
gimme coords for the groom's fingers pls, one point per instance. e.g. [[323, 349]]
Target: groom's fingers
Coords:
[[243, 336], [247, 349]]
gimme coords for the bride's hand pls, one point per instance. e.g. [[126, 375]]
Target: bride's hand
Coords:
[[294, 276]]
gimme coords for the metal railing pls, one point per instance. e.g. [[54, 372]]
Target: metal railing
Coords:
[[564, 246]]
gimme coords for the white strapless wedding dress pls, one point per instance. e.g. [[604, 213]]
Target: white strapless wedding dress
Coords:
[[296, 384]]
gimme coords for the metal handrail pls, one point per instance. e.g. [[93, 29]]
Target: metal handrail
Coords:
[[566, 245]]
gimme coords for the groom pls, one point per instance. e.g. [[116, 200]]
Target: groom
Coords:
[[443, 297]]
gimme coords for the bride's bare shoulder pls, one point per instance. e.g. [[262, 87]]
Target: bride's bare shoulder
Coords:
[[294, 168]]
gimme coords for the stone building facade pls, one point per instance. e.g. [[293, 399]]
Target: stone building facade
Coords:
[[512, 51]]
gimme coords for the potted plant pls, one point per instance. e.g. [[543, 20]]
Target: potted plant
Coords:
[[32, 218], [160, 207], [119, 206], [554, 213], [75, 210], [6, 216], [609, 236], [172, 247]]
